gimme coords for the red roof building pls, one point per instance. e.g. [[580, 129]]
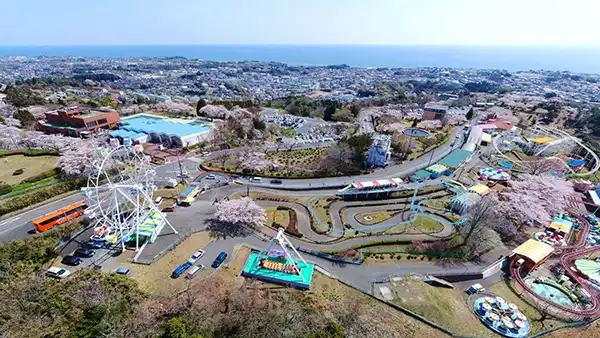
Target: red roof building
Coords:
[[76, 121]]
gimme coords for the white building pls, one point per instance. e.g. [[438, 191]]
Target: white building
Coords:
[[379, 152]]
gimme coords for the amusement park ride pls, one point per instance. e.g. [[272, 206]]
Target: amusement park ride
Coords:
[[119, 195]]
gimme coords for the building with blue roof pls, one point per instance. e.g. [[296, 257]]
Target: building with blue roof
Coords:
[[164, 130]]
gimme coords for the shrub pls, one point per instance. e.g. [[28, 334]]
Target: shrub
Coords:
[[39, 177], [40, 152], [40, 195], [5, 189]]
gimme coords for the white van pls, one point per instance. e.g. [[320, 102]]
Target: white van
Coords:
[[256, 180], [158, 200]]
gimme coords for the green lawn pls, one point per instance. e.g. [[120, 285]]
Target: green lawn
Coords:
[[32, 165], [377, 216]]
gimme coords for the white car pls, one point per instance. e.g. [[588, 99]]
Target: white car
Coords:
[[183, 174], [196, 256], [57, 272], [206, 153], [211, 177]]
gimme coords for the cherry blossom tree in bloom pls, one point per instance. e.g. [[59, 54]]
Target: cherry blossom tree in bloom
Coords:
[[395, 128], [10, 137], [78, 157], [243, 210], [431, 124], [532, 200], [214, 112], [254, 160], [173, 107]]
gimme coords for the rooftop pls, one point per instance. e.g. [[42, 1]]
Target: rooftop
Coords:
[[534, 250], [146, 123]]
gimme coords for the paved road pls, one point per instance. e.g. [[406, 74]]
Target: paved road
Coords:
[[19, 226]]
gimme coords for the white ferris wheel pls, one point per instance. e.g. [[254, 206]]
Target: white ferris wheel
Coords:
[[119, 196]]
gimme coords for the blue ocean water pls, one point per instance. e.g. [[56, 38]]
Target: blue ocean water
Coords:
[[577, 59]]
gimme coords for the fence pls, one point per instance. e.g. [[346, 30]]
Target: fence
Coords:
[[333, 257]]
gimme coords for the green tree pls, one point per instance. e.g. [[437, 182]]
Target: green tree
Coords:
[[176, 327], [201, 103], [469, 114], [332, 330], [25, 117], [358, 143]]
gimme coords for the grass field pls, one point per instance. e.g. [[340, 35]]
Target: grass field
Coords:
[[32, 165], [376, 216], [277, 216], [446, 307]]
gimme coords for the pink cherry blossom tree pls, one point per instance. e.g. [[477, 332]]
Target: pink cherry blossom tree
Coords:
[[544, 166], [395, 128], [431, 124], [243, 210], [214, 112], [532, 200], [253, 160]]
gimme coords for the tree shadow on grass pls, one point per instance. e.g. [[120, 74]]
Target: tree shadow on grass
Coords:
[[223, 230]]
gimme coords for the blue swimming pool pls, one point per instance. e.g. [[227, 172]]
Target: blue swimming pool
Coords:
[[415, 132], [144, 123]]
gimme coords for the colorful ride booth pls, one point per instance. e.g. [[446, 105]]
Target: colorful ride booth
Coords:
[[189, 195], [557, 233], [282, 266], [494, 176], [533, 253]]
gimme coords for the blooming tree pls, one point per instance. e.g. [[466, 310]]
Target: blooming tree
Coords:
[[395, 128], [254, 160], [77, 158], [243, 210], [532, 200], [431, 124], [173, 107], [214, 111]]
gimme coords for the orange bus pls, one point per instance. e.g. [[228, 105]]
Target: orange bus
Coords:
[[60, 216]]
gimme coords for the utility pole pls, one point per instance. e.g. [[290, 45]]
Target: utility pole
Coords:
[[431, 157], [180, 168]]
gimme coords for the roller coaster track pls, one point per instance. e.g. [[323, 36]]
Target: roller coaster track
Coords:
[[566, 261], [565, 136]]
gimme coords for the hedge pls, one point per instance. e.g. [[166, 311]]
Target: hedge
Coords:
[[38, 196], [29, 152], [39, 177]]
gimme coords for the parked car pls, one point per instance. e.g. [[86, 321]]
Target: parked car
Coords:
[[171, 183], [276, 181], [168, 208], [71, 260], [205, 153], [256, 180], [57, 272], [219, 260], [211, 177], [183, 174], [180, 269], [196, 256], [97, 245], [123, 271], [194, 271], [158, 200], [84, 252]]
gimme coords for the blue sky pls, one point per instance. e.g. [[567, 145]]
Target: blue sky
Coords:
[[437, 22]]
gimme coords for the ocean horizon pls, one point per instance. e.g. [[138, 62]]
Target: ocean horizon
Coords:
[[512, 58]]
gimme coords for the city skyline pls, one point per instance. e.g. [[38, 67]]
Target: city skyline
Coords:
[[379, 22]]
